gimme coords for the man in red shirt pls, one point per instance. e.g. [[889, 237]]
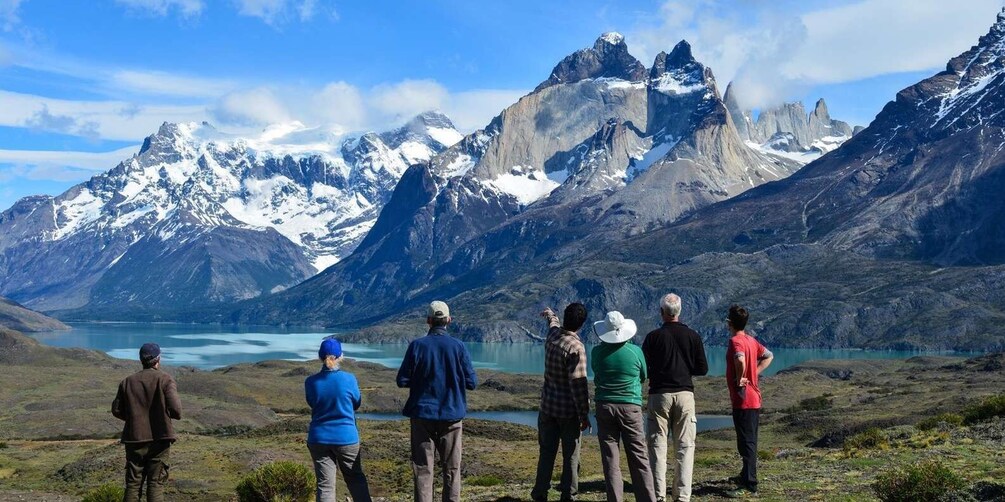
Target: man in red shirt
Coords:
[[746, 358]]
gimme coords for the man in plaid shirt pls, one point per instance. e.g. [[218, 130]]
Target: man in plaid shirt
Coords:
[[565, 402]]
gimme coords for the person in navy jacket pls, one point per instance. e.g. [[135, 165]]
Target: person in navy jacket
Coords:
[[437, 371], [333, 439]]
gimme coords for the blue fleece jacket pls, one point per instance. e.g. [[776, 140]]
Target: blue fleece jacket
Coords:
[[437, 371], [334, 397]]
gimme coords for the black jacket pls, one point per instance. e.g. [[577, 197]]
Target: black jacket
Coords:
[[674, 353]]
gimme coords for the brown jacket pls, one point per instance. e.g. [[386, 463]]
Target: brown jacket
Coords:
[[147, 400]]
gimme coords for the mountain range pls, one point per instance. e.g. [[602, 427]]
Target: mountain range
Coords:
[[891, 240], [610, 183], [201, 217]]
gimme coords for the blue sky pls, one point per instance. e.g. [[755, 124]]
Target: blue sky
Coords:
[[81, 83]]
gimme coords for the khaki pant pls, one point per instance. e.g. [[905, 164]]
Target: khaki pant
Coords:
[[623, 423], [429, 438], [672, 415], [348, 460], [146, 463]]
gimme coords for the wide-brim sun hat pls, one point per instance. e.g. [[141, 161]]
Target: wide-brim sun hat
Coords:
[[615, 328]]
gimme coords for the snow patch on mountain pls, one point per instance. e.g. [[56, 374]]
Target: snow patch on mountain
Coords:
[[526, 184]]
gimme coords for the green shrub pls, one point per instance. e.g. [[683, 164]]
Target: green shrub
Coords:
[[870, 439], [486, 480], [3, 445], [925, 481], [991, 407], [951, 419], [108, 492], [281, 481], [818, 403], [765, 455]]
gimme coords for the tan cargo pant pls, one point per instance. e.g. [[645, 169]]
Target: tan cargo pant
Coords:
[[672, 415]]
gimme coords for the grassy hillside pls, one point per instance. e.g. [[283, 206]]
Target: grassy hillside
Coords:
[[15, 316], [829, 428]]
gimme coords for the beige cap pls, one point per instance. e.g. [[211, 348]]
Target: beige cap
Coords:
[[439, 310]]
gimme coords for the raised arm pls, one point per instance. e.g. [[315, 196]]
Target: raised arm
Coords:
[[549, 315]]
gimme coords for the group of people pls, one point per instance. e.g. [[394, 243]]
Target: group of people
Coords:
[[438, 372]]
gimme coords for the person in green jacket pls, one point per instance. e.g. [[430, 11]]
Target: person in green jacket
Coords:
[[619, 368]]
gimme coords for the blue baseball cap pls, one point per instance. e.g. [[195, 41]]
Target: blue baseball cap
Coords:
[[330, 347]]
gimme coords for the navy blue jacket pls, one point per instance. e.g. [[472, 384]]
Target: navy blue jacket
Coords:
[[334, 398], [437, 371]]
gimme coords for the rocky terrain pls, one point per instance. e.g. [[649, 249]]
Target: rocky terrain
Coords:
[[57, 436]]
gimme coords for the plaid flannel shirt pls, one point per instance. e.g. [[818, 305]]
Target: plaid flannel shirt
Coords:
[[565, 393]]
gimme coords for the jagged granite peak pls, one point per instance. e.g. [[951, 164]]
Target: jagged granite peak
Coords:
[[786, 130], [308, 194], [608, 58], [599, 158]]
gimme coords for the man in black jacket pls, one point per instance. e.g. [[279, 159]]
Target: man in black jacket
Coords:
[[674, 353], [147, 401]]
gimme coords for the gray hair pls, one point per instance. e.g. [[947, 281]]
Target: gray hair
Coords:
[[670, 305]]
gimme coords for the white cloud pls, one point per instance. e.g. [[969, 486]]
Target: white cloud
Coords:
[[379, 108], [775, 53], [160, 83], [118, 120], [59, 166], [8, 14], [408, 98], [471, 110], [340, 103], [187, 8], [258, 106], [275, 12]]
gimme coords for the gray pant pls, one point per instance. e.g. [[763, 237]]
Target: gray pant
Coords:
[[672, 415], [617, 422], [349, 461], [147, 463], [551, 431], [429, 438]]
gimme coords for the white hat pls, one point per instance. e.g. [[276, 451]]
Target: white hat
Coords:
[[615, 328]]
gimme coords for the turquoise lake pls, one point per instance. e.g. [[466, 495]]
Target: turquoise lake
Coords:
[[209, 346]]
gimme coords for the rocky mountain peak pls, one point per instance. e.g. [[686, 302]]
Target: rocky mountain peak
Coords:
[[680, 55], [608, 58], [820, 110]]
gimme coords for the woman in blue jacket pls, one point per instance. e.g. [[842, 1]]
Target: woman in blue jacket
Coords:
[[333, 439]]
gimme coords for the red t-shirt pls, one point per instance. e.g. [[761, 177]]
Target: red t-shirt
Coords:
[[752, 351]]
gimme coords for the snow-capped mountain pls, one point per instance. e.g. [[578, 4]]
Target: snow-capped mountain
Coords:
[[602, 149], [787, 131], [291, 201]]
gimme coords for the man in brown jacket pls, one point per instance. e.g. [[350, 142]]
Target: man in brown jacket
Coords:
[[147, 400]]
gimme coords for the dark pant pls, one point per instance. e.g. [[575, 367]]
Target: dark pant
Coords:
[[350, 463], [146, 463], [745, 422], [430, 437], [550, 432], [617, 423]]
